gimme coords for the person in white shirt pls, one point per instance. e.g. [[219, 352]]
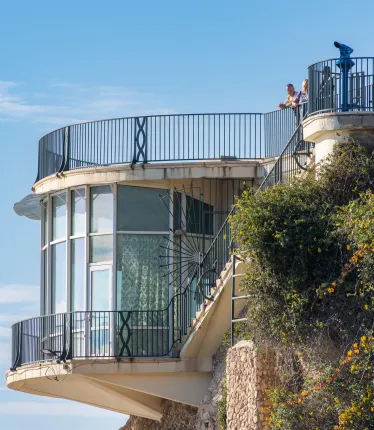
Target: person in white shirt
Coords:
[[291, 99]]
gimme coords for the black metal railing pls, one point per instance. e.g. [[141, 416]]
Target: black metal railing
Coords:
[[341, 85], [279, 127], [197, 292], [164, 138], [106, 334], [292, 161]]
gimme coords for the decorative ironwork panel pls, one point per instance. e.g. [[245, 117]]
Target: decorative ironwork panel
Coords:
[[140, 140]]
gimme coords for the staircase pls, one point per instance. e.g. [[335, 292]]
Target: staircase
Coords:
[[221, 298]]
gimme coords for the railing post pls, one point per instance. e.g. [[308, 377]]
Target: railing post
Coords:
[[232, 296], [18, 357], [67, 150]]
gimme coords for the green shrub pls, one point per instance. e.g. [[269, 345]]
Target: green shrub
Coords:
[[222, 405], [310, 279]]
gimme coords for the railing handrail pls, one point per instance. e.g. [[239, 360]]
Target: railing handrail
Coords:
[[162, 138], [338, 58], [278, 159], [148, 116]]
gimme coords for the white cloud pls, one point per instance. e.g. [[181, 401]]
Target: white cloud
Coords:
[[63, 103], [56, 409], [13, 293]]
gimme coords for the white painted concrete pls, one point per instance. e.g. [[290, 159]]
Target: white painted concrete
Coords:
[[327, 129], [151, 174]]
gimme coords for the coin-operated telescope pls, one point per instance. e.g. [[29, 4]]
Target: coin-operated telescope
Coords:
[[345, 64]]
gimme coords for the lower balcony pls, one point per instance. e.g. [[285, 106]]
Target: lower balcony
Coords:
[[95, 334]]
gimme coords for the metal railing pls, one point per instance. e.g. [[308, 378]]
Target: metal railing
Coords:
[[164, 138], [279, 127], [198, 291], [341, 85], [292, 161], [106, 334]]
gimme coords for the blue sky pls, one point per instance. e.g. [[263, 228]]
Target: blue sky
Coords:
[[63, 62]]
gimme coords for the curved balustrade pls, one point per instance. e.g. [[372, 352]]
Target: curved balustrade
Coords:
[[107, 334], [147, 139], [342, 85]]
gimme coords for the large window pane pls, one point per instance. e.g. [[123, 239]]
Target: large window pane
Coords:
[[100, 291], [44, 223], [77, 274], [101, 209], [44, 304], [59, 216], [59, 278], [101, 248], [199, 216], [141, 209], [141, 284], [78, 212]]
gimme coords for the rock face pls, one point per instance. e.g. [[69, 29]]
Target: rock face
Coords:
[[207, 412], [175, 416], [250, 371]]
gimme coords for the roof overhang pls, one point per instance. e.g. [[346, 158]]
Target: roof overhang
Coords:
[[29, 207]]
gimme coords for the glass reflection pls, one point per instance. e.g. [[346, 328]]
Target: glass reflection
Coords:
[[101, 209], [59, 278], [77, 274], [101, 248], [78, 208], [59, 216], [141, 209]]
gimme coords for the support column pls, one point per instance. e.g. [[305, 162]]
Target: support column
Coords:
[[251, 371]]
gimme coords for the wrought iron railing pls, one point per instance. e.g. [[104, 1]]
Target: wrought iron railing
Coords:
[[197, 292], [341, 85], [279, 127], [107, 334], [164, 138], [292, 161]]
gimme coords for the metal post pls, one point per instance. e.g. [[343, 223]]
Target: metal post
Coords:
[[232, 296]]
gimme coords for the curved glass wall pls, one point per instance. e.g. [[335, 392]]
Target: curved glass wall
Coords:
[[100, 249], [128, 248]]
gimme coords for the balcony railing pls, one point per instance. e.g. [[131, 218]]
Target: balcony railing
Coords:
[[166, 138], [342, 85], [152, 139], [105, 334]]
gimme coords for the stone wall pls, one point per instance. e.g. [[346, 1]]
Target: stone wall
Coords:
[[175, 416], [250, 371]]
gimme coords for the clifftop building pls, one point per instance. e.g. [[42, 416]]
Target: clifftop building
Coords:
[[138, 281]]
